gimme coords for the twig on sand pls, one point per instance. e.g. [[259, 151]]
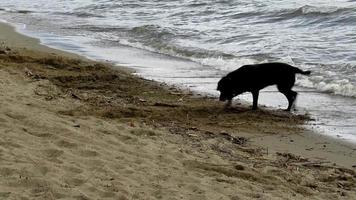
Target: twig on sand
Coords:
[[311, 164], [165, 105], [235, 140]]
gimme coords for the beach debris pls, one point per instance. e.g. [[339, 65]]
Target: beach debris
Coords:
[[49, 98], [176, 93], [28, 72], [342, 193], [344, 185], [193, 128], [234, 140], [3, 48], [73, 95], [142, 100], [32, 75], [192, 135], [132, 124], [239, 167], [311, 164], [287, 159], [165, 105], [209, 134]]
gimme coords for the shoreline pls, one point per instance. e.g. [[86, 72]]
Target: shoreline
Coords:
[[334, 115], [179, 132], [313, 135]]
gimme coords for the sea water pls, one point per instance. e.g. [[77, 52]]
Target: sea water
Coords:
[[194, 43]]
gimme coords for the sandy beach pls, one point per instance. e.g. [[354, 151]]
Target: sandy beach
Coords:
[[72, 128]]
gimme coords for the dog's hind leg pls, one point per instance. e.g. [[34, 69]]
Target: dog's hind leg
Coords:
[[291, 96], [285, 87], [291, 99]]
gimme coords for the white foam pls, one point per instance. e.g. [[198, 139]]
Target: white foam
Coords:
[[225, 65], [340, 87]]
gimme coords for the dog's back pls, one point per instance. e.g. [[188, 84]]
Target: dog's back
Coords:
[[261, 75]]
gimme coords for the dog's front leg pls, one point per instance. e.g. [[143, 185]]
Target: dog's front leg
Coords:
[[255, 99]]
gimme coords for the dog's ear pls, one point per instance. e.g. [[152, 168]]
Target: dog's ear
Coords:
[[224, 81]]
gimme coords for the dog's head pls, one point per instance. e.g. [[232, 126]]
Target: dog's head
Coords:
[[225, 88]]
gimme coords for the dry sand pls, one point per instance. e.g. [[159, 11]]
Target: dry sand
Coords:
[[76, 129]]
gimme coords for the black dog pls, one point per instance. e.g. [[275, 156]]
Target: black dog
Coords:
[[253, 78]]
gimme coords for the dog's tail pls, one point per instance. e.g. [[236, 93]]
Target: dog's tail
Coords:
[[299, 71]]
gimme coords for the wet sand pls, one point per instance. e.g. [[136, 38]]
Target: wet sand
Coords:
[[78, 129]]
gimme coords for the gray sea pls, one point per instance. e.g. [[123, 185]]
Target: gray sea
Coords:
[[193, 43]]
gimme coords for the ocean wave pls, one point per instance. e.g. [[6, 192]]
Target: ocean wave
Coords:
[[149, 37], [24, 11], [111, 6], [153, 38], [81, 14], [97, 28], [152, 32], [243, 15], [312, 14], [310, 11], [197, 4], [308, 14], [189, 53], [164, 40], [16, 11]]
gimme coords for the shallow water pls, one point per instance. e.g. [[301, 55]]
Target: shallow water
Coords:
[[194, 43]]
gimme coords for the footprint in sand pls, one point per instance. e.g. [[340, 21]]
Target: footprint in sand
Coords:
[[88, 153], [143, 132], [74, 182], [53, 154], [5, 195], [9, 144], [7, 172], [74, 170], [66, 144], [16, 116], [3, 120], [38, 134]]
